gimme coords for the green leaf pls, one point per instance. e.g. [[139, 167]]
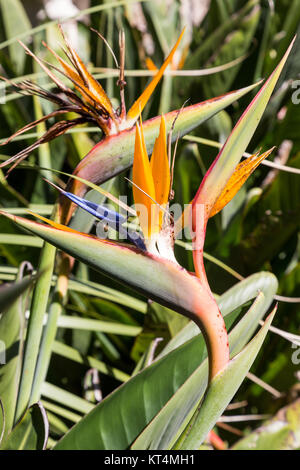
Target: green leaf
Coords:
[[274, 219], [35, 327], [66, 321], [89, 288], [160, 322], [43, 26], [221, 390], [21, 240], [61, 411], [31, 432], [166, 427], [93, 289], [127, 265], [115, 153], [232, 299], [225, 163], [143, 396], [236, 44]]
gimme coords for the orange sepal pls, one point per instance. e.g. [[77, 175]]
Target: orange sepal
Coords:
[[52, 223]]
